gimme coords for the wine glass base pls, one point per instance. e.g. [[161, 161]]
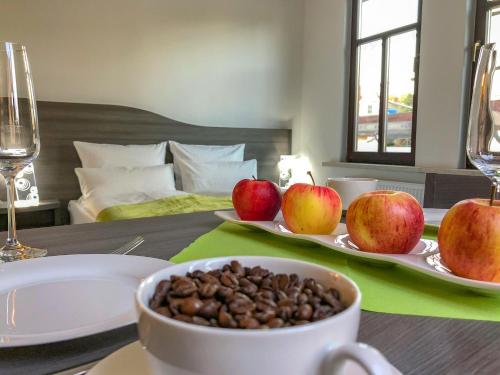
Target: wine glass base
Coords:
[[20, 252]]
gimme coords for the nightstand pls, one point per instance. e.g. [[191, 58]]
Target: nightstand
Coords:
[[47, 213]]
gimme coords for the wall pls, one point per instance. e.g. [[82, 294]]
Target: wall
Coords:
[[322, 135], [442, 96], [444, 83], [240, 63], [218, 62]]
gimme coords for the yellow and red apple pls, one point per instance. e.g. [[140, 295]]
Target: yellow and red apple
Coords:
[[469, 239], [389, 222], [256, 199], [311, 209]]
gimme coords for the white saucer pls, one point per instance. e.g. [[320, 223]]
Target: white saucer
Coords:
[[65, 297], [132, 360]]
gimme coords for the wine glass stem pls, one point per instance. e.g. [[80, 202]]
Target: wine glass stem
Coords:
[[494, 190], [11, 213]]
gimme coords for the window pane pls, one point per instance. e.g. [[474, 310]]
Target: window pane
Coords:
[[376, 16], [493, 36], [368, 96], [400, 89]]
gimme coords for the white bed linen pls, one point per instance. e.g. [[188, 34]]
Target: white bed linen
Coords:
[[78, 214]]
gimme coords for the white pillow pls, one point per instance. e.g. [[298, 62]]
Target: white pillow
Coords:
[[186, 154], [216, 178], [97, 155], [123, 181]]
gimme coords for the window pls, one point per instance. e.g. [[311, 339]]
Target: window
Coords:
[[488, 31], [385, 42]]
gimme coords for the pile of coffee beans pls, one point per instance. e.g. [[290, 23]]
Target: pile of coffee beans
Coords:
[[243, 297]]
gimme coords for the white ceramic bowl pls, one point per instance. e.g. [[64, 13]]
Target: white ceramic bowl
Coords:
[[178, 348], [349, 188]]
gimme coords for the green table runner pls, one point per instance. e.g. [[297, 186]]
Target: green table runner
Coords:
[[385, 289]]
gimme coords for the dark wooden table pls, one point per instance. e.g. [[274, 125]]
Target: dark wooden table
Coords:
[[415, 345]]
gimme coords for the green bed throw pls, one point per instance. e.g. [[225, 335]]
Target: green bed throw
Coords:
[[180, 204]]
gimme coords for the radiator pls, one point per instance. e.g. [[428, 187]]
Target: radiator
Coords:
[[417, 190]]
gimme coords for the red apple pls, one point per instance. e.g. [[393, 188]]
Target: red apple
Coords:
[[311, 209], [256, 200], [469, 239], [390, 222]]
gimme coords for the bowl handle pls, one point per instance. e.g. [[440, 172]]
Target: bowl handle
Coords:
[[370, 359]]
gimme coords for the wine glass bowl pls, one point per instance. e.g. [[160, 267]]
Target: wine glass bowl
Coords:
[[19, 136], [483, 134]]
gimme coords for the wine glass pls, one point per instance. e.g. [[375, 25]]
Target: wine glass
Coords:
[[19, 138], [483, 136]]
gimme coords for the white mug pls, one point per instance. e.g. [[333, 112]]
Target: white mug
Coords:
[[349, 188], [319, 348]]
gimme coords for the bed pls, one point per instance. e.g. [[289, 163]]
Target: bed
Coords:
[[63, 123]]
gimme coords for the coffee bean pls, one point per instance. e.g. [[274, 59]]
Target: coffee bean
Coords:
[[239, 317], [237, 268], [242, 297], [247, 287], [255, 279], [314, 300], [183, 318], [200, 321], [267, 284], [197, 274], [210, 309], [241, 306], [283, 281], [281, 295], [285, 312], [161, 291], [183, 287], [249, 323], [304, 312], [265, 316], [226, 320], [265, 294], [208, 290], [301, 322], [303, 298], [259, 271], [229, 280], [163, 288], [214, 323], [266, 305], [225, 292], [210, 279], [165, 311], [332, 301], [322, 312], [293, 293], [276, 323], [190, 306], [174, 305], [294, 280]]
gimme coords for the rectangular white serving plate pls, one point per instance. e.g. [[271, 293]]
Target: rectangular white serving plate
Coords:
[[424, 258]]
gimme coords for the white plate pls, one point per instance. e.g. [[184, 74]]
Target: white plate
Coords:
[[420, 259], [65, 297], [132, 360]]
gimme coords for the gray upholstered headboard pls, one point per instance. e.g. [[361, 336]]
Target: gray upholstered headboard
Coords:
[[63, 123]]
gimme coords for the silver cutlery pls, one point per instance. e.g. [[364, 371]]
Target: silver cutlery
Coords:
[[129, 246]]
